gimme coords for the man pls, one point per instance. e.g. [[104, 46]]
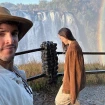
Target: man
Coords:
[[13, 86]]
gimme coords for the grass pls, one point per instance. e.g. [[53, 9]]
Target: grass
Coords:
[[34, 68]]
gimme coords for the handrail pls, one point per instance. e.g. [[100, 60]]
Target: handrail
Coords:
[[36, 77], [61, 74], [87, 72], [28, 51], [39, 49], [88, 53]]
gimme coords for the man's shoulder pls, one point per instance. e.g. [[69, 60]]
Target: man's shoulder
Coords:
[[21, 72]]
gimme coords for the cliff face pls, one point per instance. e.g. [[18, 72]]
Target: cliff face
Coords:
[[45, 28], [82, 20]]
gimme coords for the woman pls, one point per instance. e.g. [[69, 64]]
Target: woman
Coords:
[[74, 71]]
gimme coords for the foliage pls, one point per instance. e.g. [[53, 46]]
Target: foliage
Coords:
[[34, 68]]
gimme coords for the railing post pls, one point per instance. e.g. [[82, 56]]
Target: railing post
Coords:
[[49, 61]]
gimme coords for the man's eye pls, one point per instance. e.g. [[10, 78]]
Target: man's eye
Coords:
[[2, 33], [15, 33]]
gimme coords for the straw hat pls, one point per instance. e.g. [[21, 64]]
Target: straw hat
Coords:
[[24, 24]]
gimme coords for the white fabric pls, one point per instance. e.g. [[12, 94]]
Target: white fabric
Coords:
[[12, 91]]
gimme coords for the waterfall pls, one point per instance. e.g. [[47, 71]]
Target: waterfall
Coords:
[[45, 28]]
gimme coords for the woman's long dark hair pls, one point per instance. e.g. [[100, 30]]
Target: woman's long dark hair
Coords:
[[66, 33]]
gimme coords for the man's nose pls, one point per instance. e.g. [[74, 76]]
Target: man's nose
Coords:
[[10, 38]]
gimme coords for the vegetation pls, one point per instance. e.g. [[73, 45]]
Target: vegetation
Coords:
[[34, 68]]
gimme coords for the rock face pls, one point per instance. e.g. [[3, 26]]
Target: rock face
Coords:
[[45, 28], [46, 25]]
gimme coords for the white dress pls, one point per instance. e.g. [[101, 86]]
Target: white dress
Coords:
[[12, 91]]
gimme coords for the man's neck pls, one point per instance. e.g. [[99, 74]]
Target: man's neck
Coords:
[[7, 64]]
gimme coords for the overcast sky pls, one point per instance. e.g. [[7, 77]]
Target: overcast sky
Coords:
[[22, 1]]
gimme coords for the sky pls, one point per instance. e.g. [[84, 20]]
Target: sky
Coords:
[[22, 1]]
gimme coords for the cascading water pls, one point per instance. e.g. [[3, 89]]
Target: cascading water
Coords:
[[45, 28]]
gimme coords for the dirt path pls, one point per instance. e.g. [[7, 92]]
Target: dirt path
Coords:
[[91, 95]]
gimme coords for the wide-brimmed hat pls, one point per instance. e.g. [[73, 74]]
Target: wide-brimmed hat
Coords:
[[24, 24]]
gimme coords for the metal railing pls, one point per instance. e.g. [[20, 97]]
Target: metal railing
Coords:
[[60, 74], [28, 51], [87, 53]]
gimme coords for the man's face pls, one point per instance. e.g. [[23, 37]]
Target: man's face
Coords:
[[8, 41]]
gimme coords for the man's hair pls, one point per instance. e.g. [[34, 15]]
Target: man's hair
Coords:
[[12, 23]]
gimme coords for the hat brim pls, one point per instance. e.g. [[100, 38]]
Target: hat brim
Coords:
[[24, 26]]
